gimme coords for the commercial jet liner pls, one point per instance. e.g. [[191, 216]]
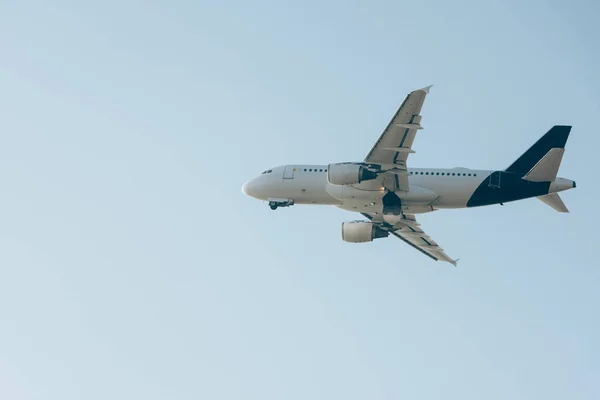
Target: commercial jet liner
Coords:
[[389, 194]]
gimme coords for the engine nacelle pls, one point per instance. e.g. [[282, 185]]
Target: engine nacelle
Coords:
[[361, 232], [348, 174]]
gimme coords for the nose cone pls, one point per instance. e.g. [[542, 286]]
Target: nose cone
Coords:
[[246, 188], [250, 188]]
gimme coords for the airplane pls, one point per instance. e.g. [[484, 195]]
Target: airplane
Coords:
[[389, 194]]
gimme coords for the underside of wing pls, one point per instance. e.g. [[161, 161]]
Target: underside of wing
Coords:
[[409, 231], [395, 143]]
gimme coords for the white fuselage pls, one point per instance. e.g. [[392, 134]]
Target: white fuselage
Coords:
[[430, 188]]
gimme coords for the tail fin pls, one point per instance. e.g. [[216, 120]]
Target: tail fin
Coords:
[[555, 138], [554, 201]]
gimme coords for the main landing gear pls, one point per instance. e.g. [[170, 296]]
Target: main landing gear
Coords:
[[276, 203], [392, 205]]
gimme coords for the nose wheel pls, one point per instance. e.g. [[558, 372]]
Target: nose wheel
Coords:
[[274, 204]]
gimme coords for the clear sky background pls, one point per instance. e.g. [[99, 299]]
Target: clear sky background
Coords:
[[132, 266]]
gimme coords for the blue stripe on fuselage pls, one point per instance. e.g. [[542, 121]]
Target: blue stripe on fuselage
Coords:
[[512, 187]]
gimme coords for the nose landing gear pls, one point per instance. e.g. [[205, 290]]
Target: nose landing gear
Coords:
[[276, 203]]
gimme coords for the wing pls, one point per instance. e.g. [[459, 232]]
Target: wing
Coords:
[[395, 143], [409, 231]]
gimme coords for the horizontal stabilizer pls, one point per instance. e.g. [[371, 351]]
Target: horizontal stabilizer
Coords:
[[554, 201], [546, 169]]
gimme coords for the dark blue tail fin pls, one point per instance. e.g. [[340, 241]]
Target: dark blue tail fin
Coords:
[[554, 138]]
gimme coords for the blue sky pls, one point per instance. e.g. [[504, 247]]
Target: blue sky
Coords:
[[132, 266]]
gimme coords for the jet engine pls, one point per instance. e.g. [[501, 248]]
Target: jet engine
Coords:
[[348, 174], [361, 232]]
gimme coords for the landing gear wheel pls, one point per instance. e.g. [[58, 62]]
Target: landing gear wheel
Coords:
[[273, 206]]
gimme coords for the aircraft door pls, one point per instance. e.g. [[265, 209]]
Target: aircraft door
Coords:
[[288, 172], [494, 179]]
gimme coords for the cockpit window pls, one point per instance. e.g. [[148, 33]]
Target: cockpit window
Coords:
[[266, 172]]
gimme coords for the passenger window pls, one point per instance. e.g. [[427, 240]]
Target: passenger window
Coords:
[[437, 173], [320, 170], [474, 174], [453, 174]]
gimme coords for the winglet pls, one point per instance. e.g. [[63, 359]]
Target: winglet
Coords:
[[425, 89], [454, 262]]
